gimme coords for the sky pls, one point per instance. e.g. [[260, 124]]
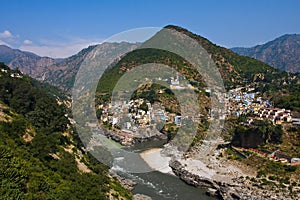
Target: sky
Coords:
[[60, 28]]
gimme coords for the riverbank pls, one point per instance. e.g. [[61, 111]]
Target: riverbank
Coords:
[[223, 179], [161, 183], [129, 185], [126, 138], [157, 161], [217, 175], [218, 181]]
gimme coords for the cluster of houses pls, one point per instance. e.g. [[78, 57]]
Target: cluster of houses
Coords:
[[4, 70], [276, 115], [241, 101], [176, 85], [16, 75], [129, 118], [13, 75], [238, 102], [137, 116]]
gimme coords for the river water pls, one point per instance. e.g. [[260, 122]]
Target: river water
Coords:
[[160, 186]]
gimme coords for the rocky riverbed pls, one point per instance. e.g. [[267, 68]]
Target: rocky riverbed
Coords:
[[227, 187], [130, 139], [129, 185], [222, 178]]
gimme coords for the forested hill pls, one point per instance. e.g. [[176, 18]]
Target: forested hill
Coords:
[[237, 71], [280, 87], [40, 154]]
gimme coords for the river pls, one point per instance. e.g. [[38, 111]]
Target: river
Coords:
[[160, 186]]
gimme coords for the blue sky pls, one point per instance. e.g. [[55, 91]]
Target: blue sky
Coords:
[[60, 28]]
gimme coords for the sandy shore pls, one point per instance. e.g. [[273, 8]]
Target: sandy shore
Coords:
[[156, 160], [210, 168]]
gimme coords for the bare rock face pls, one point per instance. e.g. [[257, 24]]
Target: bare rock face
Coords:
[[211, 192], [241, 188], [221, 190], [141, 197], [58, 72], [26, 62]]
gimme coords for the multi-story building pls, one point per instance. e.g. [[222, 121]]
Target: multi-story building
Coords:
[[276, 115]]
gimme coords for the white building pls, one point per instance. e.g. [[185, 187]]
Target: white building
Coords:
[[276, 115]]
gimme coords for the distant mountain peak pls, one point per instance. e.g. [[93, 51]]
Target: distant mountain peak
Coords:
[[282, 53], [27, 62]]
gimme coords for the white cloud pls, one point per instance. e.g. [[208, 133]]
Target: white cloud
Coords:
[[58, 49], [3, 43], [6, 34], [27, 42], [8, 39], [51, 48]]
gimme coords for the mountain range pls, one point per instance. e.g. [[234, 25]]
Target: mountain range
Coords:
[[236, 70], [27, 62], [282, 53]]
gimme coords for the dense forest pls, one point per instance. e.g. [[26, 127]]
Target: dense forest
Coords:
[[39, 149]]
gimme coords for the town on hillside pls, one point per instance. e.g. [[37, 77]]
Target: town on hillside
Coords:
[[137, 119]]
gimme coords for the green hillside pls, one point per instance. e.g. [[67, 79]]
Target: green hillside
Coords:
[[40, 155], [236, 71]]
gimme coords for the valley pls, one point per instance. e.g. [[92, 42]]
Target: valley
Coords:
[[256, 151]]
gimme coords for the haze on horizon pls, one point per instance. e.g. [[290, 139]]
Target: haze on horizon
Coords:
[[62, 28]]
